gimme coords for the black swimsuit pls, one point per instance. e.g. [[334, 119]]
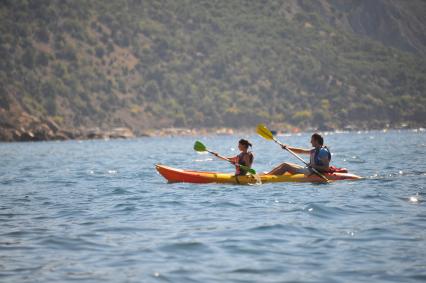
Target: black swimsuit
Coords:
[[241, 161]]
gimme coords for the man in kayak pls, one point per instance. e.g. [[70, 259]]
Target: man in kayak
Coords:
[[319, 159], [245, 158]]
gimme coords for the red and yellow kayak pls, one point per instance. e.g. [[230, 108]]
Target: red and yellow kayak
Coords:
[[174, 175]]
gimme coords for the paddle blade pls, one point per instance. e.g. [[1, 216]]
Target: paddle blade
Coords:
[[247, 169], [264, 132], [199, 146]]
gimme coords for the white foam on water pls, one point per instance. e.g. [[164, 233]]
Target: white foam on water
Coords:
[[414, 199], [203, 160]]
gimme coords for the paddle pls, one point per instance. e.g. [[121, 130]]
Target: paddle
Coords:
[[200, 147], [264, 132]]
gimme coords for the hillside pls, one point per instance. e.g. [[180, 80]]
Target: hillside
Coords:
[[150, 64]]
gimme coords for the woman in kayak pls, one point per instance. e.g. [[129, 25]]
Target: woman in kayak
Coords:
[[319, 159], [245, 158]]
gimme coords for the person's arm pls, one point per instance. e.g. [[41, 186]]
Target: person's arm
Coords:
[[297, 150], [232, 159]]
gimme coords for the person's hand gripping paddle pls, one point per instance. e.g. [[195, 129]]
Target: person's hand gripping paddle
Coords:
[[265, 133], [200, 147]]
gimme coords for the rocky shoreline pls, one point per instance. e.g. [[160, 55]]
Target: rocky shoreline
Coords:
[[26, 127]]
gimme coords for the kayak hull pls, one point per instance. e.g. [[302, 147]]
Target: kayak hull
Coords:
[[174, 175]]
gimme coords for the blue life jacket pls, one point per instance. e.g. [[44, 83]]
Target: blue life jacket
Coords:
[[319, 153]]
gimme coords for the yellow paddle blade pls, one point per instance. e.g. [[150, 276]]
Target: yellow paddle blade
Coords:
[[264, 132]]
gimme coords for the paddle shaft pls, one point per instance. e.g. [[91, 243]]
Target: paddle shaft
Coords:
[[219, 156], [301, 159], [224, 158]]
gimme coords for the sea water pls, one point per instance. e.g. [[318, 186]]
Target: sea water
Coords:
[[97, 211]]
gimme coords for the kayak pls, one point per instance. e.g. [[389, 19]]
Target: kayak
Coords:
[[174, 175]]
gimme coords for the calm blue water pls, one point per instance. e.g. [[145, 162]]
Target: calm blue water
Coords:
[[97, 211]]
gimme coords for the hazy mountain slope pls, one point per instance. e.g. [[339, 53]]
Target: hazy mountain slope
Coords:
[[146, 64], [396, 23]]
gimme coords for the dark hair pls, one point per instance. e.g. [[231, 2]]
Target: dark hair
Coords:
[[318, 138], [245, 143]]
